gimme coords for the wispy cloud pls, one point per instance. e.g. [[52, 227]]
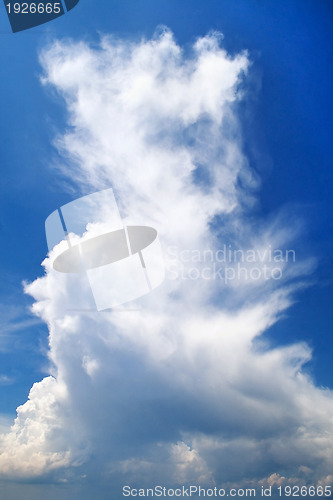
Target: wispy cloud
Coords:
[[13, 320], [6, 380]]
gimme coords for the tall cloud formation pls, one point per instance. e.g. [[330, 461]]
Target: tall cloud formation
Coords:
[[182, 389]]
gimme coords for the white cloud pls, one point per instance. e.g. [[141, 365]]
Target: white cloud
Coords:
[[29, 448], [180, 388]]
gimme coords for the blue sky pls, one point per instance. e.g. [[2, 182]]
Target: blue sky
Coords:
[[285, 120]]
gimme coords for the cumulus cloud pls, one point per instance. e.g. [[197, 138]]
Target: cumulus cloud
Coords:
[[29, 448], [182, 388]]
